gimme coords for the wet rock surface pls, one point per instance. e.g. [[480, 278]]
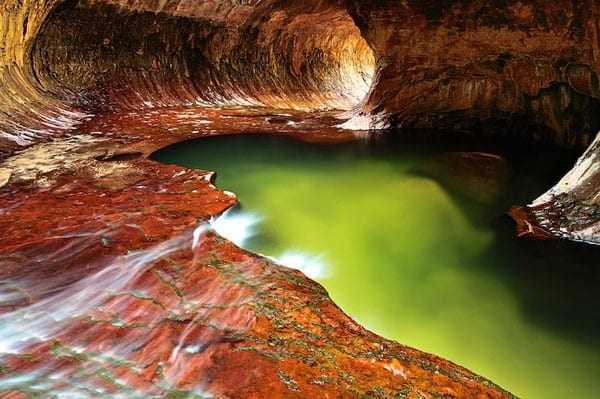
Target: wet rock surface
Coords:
[[77, 194], [471, 65], [115, 290]]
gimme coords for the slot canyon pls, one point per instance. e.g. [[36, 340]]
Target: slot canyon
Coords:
[[299, 199]]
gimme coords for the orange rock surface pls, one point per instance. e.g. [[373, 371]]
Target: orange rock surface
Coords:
[[107, 278]]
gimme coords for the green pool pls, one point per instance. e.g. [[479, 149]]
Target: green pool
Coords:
[[410, 240]]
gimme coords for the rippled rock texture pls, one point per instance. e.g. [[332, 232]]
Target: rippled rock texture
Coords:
[[71, 71]]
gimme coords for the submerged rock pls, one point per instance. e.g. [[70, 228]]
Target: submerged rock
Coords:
[[477, 175]]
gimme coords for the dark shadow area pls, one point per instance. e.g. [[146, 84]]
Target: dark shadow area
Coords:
[[556, 282]]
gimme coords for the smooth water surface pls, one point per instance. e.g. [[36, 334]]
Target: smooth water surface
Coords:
[[415, 256]]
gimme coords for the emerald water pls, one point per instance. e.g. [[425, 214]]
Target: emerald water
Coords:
[[419, 251]]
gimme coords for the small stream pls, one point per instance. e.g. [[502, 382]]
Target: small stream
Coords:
[[411, 240]]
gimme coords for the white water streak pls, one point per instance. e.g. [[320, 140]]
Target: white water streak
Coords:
[[240, 227], [46, 318]]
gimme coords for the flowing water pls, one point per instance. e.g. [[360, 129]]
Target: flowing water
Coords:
[[410, 239]]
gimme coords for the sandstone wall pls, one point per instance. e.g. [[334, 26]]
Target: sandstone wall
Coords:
[[493, 66]]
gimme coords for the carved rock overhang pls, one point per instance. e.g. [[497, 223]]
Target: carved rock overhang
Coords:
[[525, 66], [68, 67]]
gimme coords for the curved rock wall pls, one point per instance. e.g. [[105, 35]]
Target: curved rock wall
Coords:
[[63, 59], [452, 64], [528, 65], [461, 63], [309, 57], [27, 113]]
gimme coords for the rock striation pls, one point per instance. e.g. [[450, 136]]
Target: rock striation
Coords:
[[530, 66], [76, 75]]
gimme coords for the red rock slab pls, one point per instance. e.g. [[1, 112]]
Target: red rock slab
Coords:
[[526, 224], [111, 297], [242, 327]]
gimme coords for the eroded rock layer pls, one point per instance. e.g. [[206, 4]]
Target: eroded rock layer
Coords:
[[493, 66], [460, 63], [70, 71]]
